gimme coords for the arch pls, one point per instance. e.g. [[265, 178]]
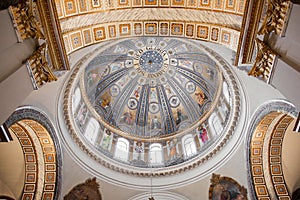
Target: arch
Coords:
[[76, 99], [34, 123], [155, 154], [189, 146], [214, 122], [226, 92], [122, 149], [268, 125], [92, 130]]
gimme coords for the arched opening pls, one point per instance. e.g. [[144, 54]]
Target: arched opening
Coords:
[[155, 154], [189, 146], [122, 149]]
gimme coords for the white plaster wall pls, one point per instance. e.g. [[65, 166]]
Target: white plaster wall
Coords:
[[14, 90], [12, 171], [287, 80], [288, 46], [257, 92], [12, 53]]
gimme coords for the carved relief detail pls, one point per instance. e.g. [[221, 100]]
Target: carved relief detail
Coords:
[[275, 17], [264, 61], [39, 66], [25, 18]]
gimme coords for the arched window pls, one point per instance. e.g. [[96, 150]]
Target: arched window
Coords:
[[76, 99], [215, 124], [189, 146], [122, 149], [226, 92], [92, 130], [155, 154]]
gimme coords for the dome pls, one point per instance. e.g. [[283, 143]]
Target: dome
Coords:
[[152, 86], [151, 102]]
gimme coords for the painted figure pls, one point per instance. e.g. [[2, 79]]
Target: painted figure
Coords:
[[180, 117], [155, 124], [139, 149], [202, 134], [127, 118], [82, 115], [106, 139], [200, 98], [172, 148]]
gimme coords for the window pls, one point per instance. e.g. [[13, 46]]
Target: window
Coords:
[[76, 99], [215, 124], [189, 146], [91, 131], [155, 154], [122, 149], [226, 92]]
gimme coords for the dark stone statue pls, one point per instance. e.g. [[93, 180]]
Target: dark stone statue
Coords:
[[89, 190]]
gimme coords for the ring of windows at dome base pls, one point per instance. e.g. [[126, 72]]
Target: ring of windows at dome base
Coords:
[[144, 153], [189, 139]]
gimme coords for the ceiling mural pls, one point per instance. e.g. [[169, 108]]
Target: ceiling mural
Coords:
[[152, 86], [151, 102]]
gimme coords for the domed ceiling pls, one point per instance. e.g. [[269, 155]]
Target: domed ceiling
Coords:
[[147, 102], [151, 86]]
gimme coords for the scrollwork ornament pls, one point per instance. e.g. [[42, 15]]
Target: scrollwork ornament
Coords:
[[25, 17], [264, 61]]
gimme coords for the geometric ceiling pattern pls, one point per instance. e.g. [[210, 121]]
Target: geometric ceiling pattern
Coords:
[[87, 22], [266, 156]]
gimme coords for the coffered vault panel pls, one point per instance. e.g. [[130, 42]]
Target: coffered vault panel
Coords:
[[108, 31], [87, 22], [147, 14], [68, 8]]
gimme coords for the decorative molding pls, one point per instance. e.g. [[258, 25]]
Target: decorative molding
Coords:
[[230, 128], [199, 31], [37, 115], [276, 17], [40, 162], [39, 66], [264, 62], [277, 105], [231, 7], [25, 18], [250, 25], [53, 34], [38, 20]]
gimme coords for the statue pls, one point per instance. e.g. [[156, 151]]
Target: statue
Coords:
[[88, 190]]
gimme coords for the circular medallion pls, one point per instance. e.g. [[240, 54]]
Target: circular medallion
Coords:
[[174, 101], [114, 90], [151, 61], [153, 108], [132, 103], [190, 87]]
